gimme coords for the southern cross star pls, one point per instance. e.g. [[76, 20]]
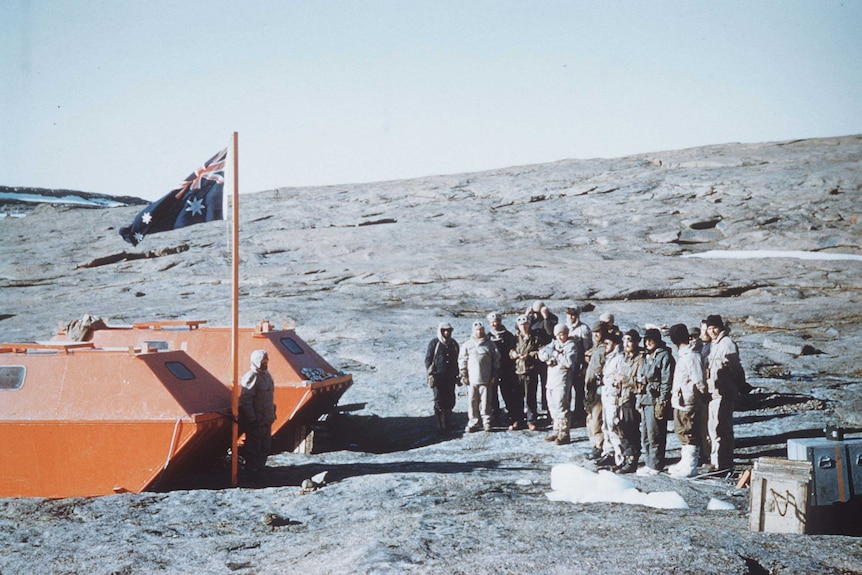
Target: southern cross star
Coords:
[[195, 206], [147, 218]]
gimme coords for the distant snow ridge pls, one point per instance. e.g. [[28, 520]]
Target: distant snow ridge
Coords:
[[17, 202], [761, 254], [578, 485], [98, 202]]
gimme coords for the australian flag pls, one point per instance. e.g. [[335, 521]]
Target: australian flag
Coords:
[[197, 200]]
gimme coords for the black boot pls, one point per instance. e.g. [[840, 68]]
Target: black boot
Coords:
[[596, 453], [629, 465], [606, 460]]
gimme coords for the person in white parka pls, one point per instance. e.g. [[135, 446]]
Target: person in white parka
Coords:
[[687, 396], [478, 364], [257, 412], [561, 357]]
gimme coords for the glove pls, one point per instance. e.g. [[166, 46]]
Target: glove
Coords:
[[660, 410], [464, 379]]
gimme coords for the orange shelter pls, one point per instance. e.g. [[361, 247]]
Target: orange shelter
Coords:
[[79, 421], [306, 385]]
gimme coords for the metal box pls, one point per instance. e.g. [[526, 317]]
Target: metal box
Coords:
[[837, 467], [854, 462]]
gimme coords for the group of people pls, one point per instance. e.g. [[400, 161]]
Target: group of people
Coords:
[[623, 386]]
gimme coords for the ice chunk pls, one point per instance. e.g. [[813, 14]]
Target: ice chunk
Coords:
[[578, 485], [719, 505], [663, 500]]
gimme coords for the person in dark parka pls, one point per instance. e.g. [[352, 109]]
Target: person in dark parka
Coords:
[[441, 364], [654, 400], [507, 381]]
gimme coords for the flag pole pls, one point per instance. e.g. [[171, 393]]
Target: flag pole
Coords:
[[234, 404]]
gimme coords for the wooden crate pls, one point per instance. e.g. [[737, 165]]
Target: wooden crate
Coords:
[[780, 495]]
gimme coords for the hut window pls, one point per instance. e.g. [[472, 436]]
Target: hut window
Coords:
[[179, 370], [12, 376], [159, 345], [291, 345]]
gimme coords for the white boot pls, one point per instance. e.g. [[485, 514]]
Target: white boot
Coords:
[[675, 468], [687, 466], [695, 460]]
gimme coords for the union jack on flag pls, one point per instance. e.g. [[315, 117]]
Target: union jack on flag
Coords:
[[198, 199]]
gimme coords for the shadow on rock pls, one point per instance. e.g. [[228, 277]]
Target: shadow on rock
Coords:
[[784, 402], [781, 438], [380, 435], [294, 475], [745, 419]]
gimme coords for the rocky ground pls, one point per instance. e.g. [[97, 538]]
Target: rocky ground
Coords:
[[367, 271]]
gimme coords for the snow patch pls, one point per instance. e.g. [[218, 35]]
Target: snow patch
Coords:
[[719, 505], [578, 485], [763, 254]]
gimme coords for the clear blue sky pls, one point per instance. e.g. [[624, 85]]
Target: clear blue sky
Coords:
[[128, 97]]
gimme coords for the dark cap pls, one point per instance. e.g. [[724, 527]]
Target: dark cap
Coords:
[[653, 334], [633, 333], [678, 334], [714, 321]]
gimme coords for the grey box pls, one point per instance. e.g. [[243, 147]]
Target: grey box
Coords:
[[837, 467], [854, 462]]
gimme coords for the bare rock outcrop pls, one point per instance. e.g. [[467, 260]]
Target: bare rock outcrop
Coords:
[[368, 270]]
